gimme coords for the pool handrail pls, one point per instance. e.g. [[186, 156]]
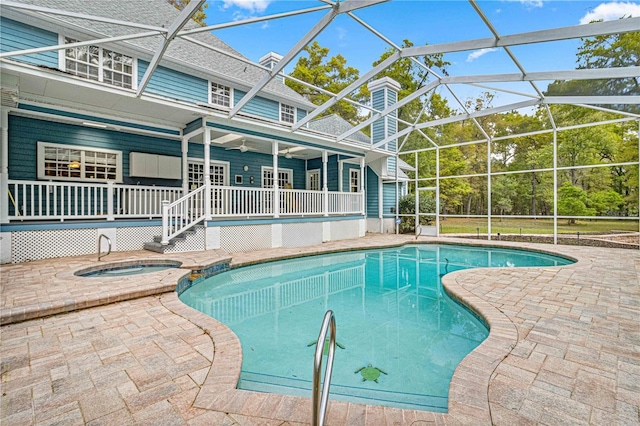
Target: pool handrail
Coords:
[[100, 246], [321, 396]]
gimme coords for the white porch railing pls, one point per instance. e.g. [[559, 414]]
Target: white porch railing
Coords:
[[346, 203], [247, 202], [183, 214], [34, 200]]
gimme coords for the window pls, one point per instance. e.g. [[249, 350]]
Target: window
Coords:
[[285, 176], [218, 173], [99, 64], [220, 95], [287, 113], [354, 180], [66, 162]]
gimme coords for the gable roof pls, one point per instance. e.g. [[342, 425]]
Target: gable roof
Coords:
[[336, 125], [161, 14]]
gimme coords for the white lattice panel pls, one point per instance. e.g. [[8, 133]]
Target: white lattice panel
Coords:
[[245, 238], [193, 242], [301, 234], [134, 237], [47, 244], [344, 229]]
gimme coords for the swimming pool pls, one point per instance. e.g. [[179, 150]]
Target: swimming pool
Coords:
[[393, 319]]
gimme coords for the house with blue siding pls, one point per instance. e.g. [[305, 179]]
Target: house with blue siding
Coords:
[[100, 138]]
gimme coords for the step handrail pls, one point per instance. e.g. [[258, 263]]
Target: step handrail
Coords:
[[100, 246], [321, 396]]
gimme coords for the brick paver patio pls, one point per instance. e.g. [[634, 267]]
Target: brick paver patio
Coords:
[[564, 346]]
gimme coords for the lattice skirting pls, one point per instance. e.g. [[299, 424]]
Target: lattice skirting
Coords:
[[301, 234], [245, 238], [46, 244]]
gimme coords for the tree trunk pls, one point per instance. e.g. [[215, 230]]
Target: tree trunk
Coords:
[[533, 193]]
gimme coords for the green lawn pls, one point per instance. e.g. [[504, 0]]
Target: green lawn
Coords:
[[459, 225]]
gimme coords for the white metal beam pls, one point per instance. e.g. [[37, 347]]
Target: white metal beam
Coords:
[[563, 33], [602, 100], [581, 74], [174, 28], [191, 31], [49, 11]]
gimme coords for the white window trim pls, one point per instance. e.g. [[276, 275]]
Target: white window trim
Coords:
[[280, 169], [226, 165], [62, 65], [295, 113], [309, 173], [210, 98], [40, 162], [357, 172]]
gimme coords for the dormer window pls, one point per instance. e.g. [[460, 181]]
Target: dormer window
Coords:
[[220, 95], [287, 113], [99, 64]]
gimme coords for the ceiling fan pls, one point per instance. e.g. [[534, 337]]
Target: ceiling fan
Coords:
[[288, 153], [242, 148]]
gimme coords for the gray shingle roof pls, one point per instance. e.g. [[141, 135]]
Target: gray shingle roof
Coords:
[[336, 125], [161, 13]]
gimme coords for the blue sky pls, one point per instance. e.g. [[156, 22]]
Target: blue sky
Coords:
[[421, 21]]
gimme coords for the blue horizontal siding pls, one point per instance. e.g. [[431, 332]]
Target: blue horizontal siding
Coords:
[[18, 36], [25, 133], [389, 198], [301, 114], [265, 108], [372, 193], [175, 84]]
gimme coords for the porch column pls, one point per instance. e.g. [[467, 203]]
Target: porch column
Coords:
[[207, 173], [340, 175], [185, 166], [361, 183], [4, 166], [325, 188], [276, 187]]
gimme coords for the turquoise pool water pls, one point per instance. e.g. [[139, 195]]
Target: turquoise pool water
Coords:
[[390, 309]]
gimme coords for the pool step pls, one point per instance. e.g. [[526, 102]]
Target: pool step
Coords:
[[299, 387], [157, 246]]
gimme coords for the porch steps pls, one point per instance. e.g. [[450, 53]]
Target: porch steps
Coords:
[[157, 246]]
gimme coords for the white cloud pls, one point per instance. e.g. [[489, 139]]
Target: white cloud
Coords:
[[611, 11], [532, 3], [475, 55], [253, 6], [342, 33]]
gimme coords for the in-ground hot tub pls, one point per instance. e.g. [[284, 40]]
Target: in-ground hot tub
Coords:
[[120, 269]]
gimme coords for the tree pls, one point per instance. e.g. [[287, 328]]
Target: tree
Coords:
[[200, 14], [331, 74], [572, 201], [407, 205]]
